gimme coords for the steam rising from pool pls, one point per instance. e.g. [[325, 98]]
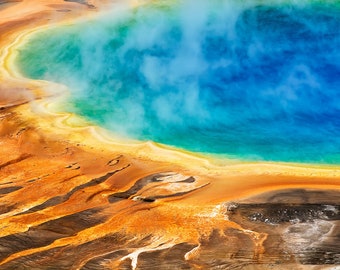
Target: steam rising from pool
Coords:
[[256, 80]]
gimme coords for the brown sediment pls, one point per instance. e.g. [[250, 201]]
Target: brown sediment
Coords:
[[74, 197]]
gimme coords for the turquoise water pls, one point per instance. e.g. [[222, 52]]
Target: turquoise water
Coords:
[[254, 80]]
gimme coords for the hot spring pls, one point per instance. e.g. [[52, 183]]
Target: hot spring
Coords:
[[250, 80]]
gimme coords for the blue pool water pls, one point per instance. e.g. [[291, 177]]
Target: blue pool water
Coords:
[[253, 80]]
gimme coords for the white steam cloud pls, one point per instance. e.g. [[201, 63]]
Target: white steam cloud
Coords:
[[230, 67]]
